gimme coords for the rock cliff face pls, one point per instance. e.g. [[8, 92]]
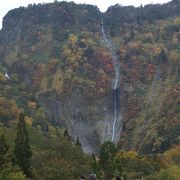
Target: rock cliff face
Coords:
[[90, 121], [55, 56]]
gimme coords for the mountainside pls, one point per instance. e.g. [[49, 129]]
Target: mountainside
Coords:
[[147, 41], [59, 61]]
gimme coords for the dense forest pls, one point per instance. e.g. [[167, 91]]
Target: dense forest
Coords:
[[56, 97]]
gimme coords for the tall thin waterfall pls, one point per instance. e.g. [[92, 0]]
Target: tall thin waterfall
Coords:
[[6, 74], [115, 81]]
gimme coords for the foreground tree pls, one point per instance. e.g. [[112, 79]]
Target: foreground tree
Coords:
[[3, 149], [107, 153], [10, 172], [22, 152], [7, 171]]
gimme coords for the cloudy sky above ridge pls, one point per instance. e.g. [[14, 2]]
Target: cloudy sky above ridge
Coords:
[[7, 5]]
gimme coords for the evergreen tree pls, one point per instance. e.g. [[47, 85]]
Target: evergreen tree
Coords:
[[66, 135], [78, 143], [162, 56], [3, 149], [22, 152]]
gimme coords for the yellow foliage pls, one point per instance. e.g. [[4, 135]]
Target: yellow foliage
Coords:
[[68, 74], [134, 45], [149, 36], [9, 108], [101, 91], [2, 77], [157, 50], [127, 155], [72, 39], [58, 82], [44, 83], [71, 60], [173, 156], [89, 42], [1, 100], [66, 51], [31, 105], [174, 55], [14, 108], [177, 20], [29, 120], [14, 77], [175, 40]]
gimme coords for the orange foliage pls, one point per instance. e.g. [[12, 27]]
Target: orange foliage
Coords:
[[31, 105], [52, 65]]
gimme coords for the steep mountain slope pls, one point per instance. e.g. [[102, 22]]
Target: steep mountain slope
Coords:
[[148, 46], [61, 72], [62, 66]]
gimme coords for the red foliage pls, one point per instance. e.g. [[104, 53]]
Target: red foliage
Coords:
[[150, 69], [105, 61], [103, 82]]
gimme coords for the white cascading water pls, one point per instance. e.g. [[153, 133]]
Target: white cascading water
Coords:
[[6, 74], [115, 81]]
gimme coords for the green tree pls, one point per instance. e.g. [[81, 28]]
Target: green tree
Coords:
[[9, 172], [94, 164], [107, 154], [163, 56], [170, 173], [3, 149], [66, 135], [40, 119], [22, 152]]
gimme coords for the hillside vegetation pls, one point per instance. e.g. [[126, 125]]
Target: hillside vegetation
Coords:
[[56, 70]]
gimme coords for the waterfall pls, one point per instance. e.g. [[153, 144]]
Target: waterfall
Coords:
[[115, 81], [6, 74], [110, 45]]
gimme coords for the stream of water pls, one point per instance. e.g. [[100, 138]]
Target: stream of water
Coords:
[[6, 74], [115, 80]]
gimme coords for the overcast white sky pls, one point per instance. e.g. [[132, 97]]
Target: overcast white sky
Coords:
[[7, 5]]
